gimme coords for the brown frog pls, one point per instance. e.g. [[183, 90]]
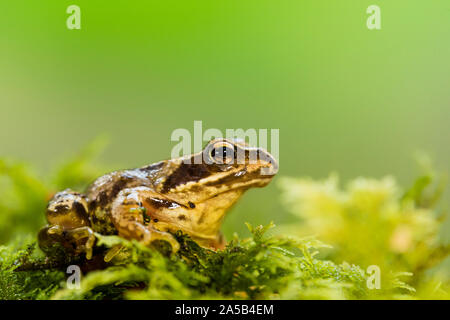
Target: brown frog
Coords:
[[190, 193]]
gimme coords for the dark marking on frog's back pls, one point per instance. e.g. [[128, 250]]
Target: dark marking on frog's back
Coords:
[[117, 187], [102, 199], [107, 192], [79, 209], [182, 217]]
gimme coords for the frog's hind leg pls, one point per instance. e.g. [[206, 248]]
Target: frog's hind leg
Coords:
[[68, 223], [129, 215]]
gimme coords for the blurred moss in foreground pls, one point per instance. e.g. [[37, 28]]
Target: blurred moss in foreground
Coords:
[[374, 222]]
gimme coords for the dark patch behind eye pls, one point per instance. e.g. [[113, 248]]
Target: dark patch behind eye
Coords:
[[186, 173]]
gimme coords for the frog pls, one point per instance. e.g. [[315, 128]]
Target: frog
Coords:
[[190, 193]]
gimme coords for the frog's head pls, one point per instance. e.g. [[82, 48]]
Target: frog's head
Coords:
[[199, 189], [224, 167]]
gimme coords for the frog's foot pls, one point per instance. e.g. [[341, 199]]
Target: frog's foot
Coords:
[[145, 234], [49, 236], [78, 236], [76, 240]]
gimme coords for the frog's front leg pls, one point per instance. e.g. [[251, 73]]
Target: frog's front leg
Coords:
[[68, 224], [131, 214]]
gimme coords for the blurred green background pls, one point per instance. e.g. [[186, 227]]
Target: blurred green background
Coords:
[[345, 98]]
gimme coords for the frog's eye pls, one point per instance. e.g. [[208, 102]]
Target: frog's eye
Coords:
[[222, 153]]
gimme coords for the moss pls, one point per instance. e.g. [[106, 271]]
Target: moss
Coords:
[[375, 222], [369, 222], [259, 267]]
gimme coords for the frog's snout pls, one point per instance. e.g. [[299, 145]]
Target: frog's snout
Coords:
[[269, 165]]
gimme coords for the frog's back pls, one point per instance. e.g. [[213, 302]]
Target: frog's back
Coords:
[[102, 192]]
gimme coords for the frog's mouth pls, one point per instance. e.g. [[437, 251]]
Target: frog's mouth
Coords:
[[246, 177]]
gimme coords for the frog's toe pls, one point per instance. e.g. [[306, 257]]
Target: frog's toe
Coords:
[[90, 246], [55, 230], [83, 239], [165, 236], [114, 251]]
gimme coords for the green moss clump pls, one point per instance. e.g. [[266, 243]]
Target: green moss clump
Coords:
[[259, 267]]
